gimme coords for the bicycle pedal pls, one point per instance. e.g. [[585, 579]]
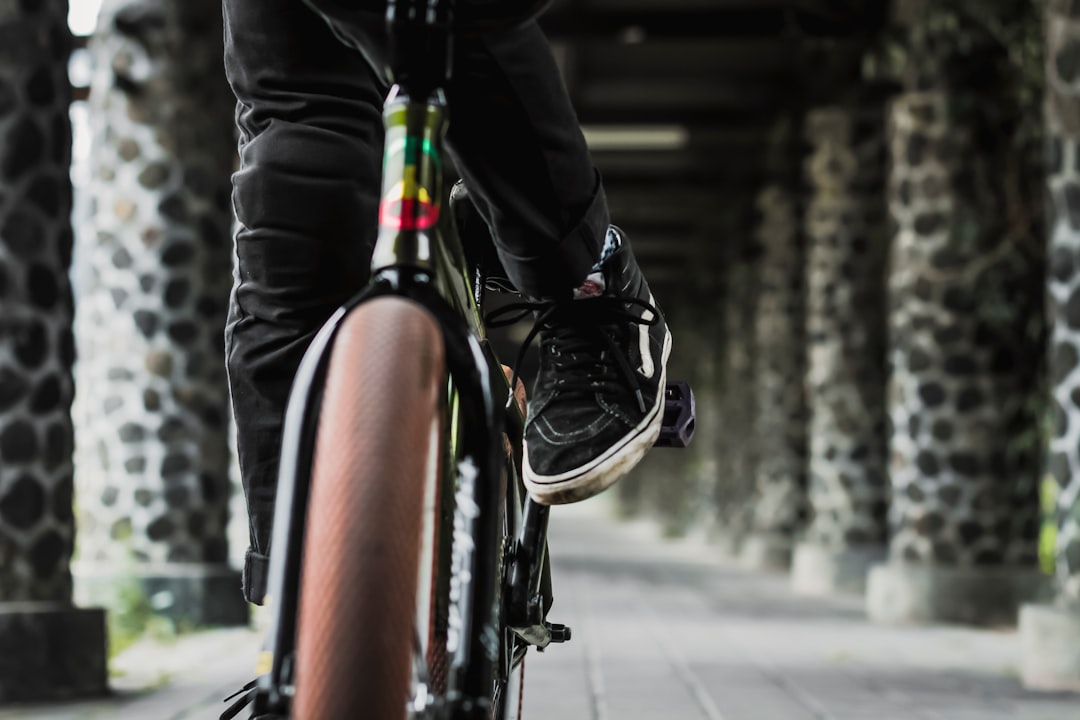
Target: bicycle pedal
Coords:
[[677, 429], [559, 633]]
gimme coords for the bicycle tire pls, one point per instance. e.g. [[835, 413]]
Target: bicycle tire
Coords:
[[372, 471]]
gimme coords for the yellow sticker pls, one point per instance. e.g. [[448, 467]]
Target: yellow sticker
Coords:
[[265, 662]]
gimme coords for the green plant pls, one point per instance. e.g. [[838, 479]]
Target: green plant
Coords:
[[128, 616], [1048, 532], [131, 617]]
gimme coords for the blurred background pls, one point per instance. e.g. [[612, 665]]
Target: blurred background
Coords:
[[861, 217]]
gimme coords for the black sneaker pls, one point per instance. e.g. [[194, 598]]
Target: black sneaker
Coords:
[[597, 405]]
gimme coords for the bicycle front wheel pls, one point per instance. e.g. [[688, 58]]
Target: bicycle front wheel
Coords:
[[368, 615]]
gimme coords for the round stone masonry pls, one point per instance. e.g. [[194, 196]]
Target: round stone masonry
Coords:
[[49, 649], [964, 514], [736, 444], [847, 241], [1050, 634], [152, 408], [778, 508]]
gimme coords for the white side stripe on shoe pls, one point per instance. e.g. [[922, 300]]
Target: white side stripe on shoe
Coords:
[[648, 366]]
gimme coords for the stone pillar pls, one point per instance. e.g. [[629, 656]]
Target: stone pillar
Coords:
[[847, 243], [964, 514], [1050, 634], [736, 442], [153, 403], [49, 649], [780, 428], [681, 502]]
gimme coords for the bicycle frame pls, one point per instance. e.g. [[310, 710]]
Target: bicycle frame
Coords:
[[419, 256]]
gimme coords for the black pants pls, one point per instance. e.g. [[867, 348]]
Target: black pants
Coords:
[[309, 112]]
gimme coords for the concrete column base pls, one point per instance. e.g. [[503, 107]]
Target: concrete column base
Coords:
[[726, 543], [897, 593], [51, 651], [191, 594], [1050, 648], [765, 552], [817, 571]]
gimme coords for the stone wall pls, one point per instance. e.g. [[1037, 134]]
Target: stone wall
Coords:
[[673, 485], [780, 427], [960, 499], [1063, 180], [48, 648], [36, 352], [1050, 634], [847, 245], [964, 514], [736, 443], [153, 402]]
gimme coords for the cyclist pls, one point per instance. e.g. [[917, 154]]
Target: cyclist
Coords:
[[309, 112]]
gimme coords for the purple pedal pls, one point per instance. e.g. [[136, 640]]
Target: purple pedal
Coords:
[[678, 428]]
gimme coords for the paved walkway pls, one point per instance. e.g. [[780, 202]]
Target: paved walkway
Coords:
[[662, 630]]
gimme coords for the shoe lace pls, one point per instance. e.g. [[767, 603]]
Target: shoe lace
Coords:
[[580, 337]]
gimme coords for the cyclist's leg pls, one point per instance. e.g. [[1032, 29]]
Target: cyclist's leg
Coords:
[[305, 196], [525, 160], [517, 143], [598, 398]]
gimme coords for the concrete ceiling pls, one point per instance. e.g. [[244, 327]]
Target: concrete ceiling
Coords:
[[681, 99]]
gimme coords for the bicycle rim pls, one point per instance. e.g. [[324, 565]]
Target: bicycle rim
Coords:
[[370, 578]]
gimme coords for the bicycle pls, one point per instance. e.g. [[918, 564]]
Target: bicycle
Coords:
[[410, 572]]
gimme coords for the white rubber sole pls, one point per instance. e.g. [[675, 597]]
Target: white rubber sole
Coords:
[[604, 471]]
